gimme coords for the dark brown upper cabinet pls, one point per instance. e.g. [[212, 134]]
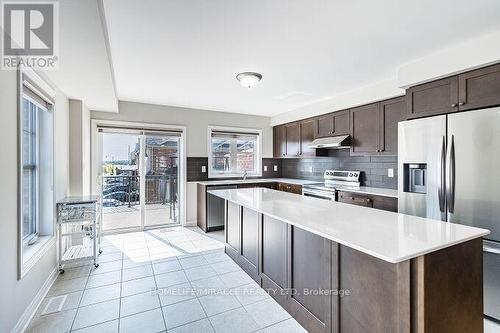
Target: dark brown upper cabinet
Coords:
[[306, 137], [476, 89], [433, 98], [292, 139], [479, 88], [341, 122], [336, 123], [392, 111], [324, 125], [279, 149], [365, 129]]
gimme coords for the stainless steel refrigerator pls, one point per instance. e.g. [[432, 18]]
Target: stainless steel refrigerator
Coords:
[[449, 169]]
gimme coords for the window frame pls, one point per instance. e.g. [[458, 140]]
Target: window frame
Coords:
[[35, 167], [232, 174], [36, 245]]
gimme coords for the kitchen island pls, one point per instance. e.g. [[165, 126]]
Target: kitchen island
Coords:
[[341, 268]]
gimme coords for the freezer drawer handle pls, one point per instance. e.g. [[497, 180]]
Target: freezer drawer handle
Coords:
[[491, 249]]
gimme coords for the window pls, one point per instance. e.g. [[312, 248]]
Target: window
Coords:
[[36, 138], [30, 170], [233, 152], [35, 170]]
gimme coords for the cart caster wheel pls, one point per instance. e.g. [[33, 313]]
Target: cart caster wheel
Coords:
[[96, 265], [61, 271], [100, 251]]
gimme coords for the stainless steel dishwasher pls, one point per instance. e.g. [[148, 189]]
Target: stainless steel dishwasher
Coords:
[[215, 208]]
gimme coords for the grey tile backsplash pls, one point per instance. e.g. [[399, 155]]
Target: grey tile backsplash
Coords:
[[373, 168], [195, 164]]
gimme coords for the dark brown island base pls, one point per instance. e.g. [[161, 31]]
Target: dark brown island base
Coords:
[[330, 287]]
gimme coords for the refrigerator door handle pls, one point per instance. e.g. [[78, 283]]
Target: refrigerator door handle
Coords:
[[495, 249], [442, 174], [451, 177]]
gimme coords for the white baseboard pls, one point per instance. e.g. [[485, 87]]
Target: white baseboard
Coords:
[[25, 319]]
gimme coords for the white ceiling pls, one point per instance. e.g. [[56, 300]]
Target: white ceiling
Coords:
[[84, 68], [187, 53]]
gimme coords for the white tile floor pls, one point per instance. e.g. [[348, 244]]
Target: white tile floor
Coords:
[[175, 279]]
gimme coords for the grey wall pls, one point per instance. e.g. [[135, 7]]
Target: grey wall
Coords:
[[79, 148], [196, 122], [373, 168], [16, 295]]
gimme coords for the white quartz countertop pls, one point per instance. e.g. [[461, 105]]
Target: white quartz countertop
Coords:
[[362, 189], [258, 180], [389, 236], [385, 192]]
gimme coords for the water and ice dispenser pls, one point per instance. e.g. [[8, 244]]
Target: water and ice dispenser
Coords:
[[415, 177]]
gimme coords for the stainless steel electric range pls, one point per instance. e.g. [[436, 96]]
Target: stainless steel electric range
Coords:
[[333, 180]]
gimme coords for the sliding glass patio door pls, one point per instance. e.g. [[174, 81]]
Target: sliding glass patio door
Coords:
[[140, 178], [161, 180]]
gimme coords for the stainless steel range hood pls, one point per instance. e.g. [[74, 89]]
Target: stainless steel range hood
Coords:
[[334, 142]]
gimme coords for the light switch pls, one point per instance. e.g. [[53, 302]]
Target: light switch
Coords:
[[203, 168], [390, 173], [265, 167], [275, 168]]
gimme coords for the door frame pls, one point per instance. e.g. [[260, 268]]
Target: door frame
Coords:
[[95, 151]]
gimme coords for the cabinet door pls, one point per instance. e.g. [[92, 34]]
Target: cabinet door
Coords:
[[233, 230], [310, 268], [365, 129], [479, 88], [391, 112], [433, 98], [292, 138], [274, 258], [306, 137], [324, 125], [250, 242], [341, 123], [385, 203], [279, 141]]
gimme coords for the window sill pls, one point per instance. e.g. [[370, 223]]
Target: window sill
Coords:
[[33, 253]]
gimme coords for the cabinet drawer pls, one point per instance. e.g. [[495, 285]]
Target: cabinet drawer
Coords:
[[291, 188], [354, 199]]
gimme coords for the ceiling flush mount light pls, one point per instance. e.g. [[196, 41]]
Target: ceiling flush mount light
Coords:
[[249, 79]]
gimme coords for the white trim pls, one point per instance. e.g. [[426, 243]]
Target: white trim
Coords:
[[25, 319], [23, 266], [43, 247], [47, 90], [94, 174], [257, 131]]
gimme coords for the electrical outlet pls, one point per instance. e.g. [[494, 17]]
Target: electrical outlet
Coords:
[[265, 167], [203, 168], [275, 168], [390, 173]]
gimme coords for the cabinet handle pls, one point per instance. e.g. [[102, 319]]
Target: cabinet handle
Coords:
[[454, 105], [461, 103]]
